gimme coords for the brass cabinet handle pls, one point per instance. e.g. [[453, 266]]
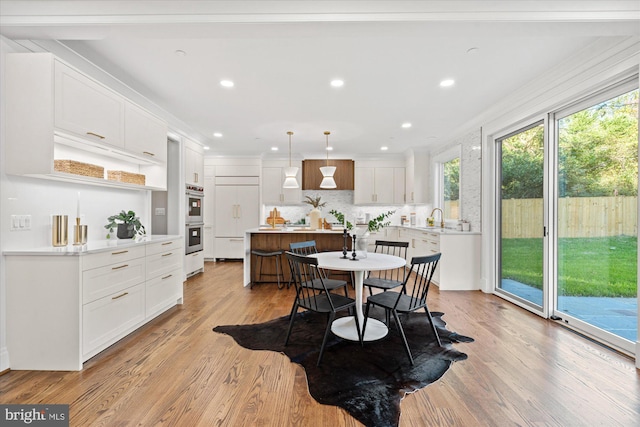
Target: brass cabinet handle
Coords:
[[95, 134], [118, 268], [118, 253], [170, 253], [166, 277], [120, 296], [148, 153]]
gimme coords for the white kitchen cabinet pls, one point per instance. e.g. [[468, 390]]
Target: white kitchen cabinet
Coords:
[[144, 134], [194, 263], [209, 212], [87, 109], [417, 177], [85, 302], [237, 209], [272, 191], [378, 185], [459, 266], [194, 163], [53, 112], [163, 276]]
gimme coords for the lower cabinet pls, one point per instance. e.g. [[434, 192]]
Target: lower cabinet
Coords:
[[110, 318], [66, 308], [194, 263], [229, 247], [459, 266]]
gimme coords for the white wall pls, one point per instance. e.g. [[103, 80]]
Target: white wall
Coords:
[[42, 198]]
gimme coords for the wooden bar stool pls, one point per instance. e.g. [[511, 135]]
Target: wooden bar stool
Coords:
[[279, 274]]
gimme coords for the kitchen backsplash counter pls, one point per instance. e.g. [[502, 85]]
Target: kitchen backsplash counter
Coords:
[[93, 247]]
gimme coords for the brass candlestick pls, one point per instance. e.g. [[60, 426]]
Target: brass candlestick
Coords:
[[80, 234]]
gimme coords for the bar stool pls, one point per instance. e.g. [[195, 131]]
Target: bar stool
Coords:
[[261, 255]]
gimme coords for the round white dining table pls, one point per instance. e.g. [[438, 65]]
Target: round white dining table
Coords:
[[345, 327]]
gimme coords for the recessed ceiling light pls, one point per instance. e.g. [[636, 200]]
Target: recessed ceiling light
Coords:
[[337, 83], [447, 83], [206, 147], [385, 148], [329, 148], [217, 134], [274, 148], [180, 52], [406, 125], [226, 83]]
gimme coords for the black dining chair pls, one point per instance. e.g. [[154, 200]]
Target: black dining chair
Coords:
[[309, 248], [316, 297], [408, 300], [388, 279]]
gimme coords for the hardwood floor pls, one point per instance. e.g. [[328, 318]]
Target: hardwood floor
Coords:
[[521, 370]]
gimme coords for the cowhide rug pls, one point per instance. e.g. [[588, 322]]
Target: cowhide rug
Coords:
[[368, 382]]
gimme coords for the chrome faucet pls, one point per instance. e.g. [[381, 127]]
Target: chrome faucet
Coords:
[[441, 216]]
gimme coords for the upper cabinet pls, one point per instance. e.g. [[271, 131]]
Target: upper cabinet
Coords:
[[61, 124], [87, 109], [376, 184], [417, 177], [272, 179], [194, 163], [312, 177], [144, 134]]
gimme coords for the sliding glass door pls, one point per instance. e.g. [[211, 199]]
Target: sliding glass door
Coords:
[[567, 216], [597, 209], [521, 210]]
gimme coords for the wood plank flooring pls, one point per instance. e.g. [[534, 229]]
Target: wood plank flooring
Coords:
[[522, 370]]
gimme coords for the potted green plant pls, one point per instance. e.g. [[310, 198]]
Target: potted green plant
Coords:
[[127, 223], [374, 224]]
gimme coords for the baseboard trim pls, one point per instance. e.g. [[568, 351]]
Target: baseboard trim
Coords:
[[4, 361]]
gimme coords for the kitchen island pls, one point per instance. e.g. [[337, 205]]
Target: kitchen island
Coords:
[[271, 239]]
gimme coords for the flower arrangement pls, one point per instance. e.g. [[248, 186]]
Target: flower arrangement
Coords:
[[373, 225]]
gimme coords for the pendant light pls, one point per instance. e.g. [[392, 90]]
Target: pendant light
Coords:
[[327, 171], [290, 173]]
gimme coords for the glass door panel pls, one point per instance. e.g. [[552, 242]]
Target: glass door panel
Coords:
[[597, 216], [521, 209]]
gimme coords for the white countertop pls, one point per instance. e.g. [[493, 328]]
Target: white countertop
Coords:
[[300, 229], [436, 230], [291, 229], [92, 247]]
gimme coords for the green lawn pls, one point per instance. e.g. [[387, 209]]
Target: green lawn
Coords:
[[602, 267]]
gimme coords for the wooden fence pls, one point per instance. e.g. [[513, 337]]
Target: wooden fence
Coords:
[[581, 217]]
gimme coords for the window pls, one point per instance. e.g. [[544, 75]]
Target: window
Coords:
[[451, 189], [448, 183]]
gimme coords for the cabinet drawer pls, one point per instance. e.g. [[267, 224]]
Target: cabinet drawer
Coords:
[[110, 318], [103, 281], [162, 263], [230, 247], [160, 247], [163, 292], [117, 255]]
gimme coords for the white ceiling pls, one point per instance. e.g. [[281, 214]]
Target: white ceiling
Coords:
[[282, 56]]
